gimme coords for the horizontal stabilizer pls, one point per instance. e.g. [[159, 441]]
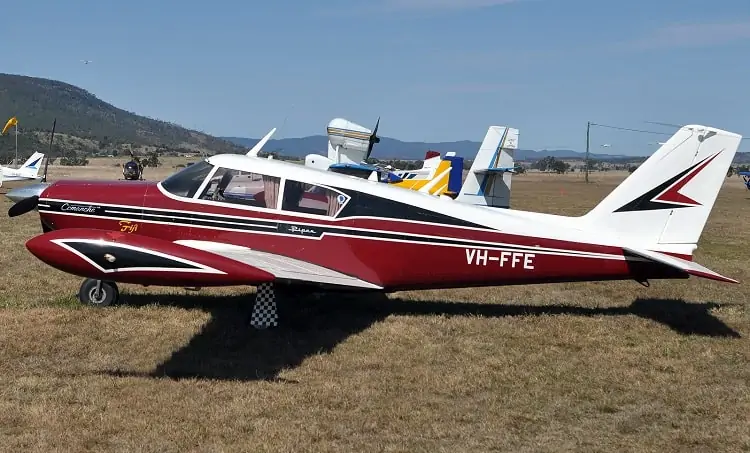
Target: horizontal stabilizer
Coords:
[[495, 170], [688, 267]]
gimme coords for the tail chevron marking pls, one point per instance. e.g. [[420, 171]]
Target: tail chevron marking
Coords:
[[667, 195]]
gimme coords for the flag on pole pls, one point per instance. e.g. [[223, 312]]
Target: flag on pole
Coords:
[[11, 122]]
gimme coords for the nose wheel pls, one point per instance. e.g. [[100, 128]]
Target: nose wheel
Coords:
[[98, 293]]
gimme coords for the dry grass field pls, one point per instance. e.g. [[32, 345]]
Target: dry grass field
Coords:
[[564, 367]]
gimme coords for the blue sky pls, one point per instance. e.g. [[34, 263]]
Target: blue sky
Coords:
[[434, 70]]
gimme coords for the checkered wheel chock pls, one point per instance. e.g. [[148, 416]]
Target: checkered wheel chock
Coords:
[[264, 312]]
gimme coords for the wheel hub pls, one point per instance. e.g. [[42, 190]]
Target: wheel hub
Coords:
[[97, 297]]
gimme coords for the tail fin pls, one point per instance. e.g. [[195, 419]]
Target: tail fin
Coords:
[[664, 204], [434, 177], [489, 178], [31, 167]]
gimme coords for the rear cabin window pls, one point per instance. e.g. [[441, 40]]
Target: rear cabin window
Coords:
[[239, 187], [312, 199], [185, 183]]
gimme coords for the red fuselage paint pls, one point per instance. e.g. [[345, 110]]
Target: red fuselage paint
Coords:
[[421, 258]]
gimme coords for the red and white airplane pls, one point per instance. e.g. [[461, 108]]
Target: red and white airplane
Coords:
[[242, 220]]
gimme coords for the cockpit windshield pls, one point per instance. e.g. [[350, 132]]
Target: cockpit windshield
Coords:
[[185, 183]]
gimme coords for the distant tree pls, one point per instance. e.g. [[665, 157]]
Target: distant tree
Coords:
[[559, 166], [151, 159], [632, 168], [74, 160], [550, 163], [543, 164], [592, 164]]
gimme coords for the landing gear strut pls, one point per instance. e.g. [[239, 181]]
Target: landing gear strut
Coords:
[[264, 313], [98, 293]]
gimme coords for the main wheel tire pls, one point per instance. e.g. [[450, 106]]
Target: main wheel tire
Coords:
[[109, 294]]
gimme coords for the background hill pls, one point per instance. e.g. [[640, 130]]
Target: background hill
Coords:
[[89, 126], [390, 148], [86, 123]]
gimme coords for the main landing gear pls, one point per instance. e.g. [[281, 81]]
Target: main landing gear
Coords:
[[98, 293], [101, 293]]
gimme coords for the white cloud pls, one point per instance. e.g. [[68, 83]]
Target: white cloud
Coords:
[[693, 35]]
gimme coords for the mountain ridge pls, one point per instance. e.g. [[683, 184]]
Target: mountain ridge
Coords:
[[86, 123], [391, 148]]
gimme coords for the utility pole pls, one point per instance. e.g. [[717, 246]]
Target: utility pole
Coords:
[[586, 164]]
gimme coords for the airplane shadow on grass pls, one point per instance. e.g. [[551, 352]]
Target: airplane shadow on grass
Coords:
[[228, 348]]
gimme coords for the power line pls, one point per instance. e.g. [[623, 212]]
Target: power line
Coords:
[[744, 137], [631, 130]]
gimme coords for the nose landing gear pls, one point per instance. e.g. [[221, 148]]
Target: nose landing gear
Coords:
[[98, 293]]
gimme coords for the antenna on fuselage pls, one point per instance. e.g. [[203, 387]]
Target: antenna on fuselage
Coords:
[[258, 146]]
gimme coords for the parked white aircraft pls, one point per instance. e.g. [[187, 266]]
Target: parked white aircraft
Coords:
[[488, 182], [29, 170]]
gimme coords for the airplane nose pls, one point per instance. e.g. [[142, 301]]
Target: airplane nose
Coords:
[[22, 193]]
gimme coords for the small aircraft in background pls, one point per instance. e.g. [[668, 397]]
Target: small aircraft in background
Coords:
[[489, 178], [241, 220], [745, 177], [349, 147], [29, 170]]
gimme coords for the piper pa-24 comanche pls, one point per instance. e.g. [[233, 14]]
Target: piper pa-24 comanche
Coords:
[[243, 220]]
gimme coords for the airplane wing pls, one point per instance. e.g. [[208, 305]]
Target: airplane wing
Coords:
[[495, 170], [689, 267], [365, 171], [362, 167], [281, 267], [134, 258]]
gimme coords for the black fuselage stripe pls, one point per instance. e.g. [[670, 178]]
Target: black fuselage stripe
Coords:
[[189, 219], [283, 228]]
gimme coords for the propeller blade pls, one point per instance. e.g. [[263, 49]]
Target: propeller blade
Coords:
[[373, 139], [49, 153], [23, 206]]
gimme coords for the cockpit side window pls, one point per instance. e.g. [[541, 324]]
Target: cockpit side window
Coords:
[[312, 199], [237, 187], [185, 183]]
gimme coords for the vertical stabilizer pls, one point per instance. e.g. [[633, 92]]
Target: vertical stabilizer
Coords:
[[489, 180], [664, 204], [30, 168]]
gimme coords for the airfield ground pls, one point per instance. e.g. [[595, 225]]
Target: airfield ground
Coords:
[[585, 367]]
